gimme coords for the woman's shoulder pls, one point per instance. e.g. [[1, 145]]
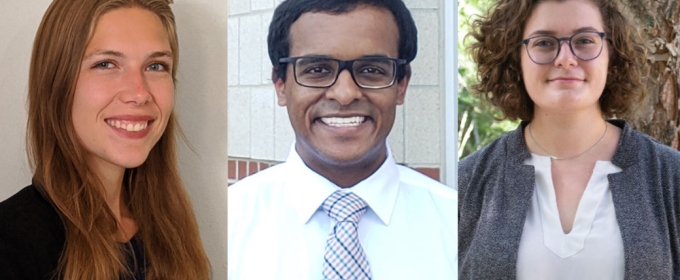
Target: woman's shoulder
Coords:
[[645, 141], [32, 236], [28, 202], [26, 195], [639, 148], [488, 161], [29, 216], [508, 146]]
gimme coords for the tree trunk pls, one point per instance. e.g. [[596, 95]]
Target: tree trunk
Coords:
[[659, 25]]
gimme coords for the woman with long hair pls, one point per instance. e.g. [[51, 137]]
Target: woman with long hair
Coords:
[[106, 200], [574, 192]]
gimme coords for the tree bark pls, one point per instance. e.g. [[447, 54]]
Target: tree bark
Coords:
[[659, 25]]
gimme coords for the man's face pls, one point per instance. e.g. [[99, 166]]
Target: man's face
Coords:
[[343, 127]]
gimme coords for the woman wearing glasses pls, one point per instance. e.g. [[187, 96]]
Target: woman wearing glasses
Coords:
[[568, 194]]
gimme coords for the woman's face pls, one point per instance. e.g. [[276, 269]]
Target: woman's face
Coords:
[[125, 90], [567, 84]]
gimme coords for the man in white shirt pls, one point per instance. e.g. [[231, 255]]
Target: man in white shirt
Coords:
[[339, 207]]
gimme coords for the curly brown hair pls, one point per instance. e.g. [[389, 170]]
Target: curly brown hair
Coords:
[[496, 51]]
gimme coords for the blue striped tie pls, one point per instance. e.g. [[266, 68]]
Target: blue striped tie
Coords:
[[344, 258]]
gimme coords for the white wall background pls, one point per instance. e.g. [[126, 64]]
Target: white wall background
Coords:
[[201, 106], [260, 129], [202, 110], [19, 21]]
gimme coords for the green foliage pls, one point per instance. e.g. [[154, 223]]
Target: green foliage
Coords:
[[478, 121]]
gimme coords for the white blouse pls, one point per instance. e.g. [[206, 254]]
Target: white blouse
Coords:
[[592, 250]]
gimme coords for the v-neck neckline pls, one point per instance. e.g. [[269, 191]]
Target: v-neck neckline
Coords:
[[554, 238]]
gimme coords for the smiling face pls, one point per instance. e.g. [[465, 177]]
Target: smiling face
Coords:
[[568, 84], [342, 127], [125, 91]]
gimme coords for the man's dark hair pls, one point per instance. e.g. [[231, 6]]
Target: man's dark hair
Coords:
[[289, 11]]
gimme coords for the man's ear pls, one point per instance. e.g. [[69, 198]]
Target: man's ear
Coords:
[[280, 86], [403, 84]]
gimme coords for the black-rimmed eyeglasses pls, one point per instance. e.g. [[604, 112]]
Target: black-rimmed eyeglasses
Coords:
[[373, 72], [544, 49]]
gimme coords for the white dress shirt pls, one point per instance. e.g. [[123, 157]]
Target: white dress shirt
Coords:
[[593, 249], [277, 230]]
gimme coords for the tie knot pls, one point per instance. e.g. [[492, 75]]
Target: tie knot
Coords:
[[342, 206]]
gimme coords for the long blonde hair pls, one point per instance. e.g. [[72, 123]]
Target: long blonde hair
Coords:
[[154, 191]]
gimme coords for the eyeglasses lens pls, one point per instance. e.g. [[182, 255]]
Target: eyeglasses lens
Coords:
[[585, 46], [322, 72]]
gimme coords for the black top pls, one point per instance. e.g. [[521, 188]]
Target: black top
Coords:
[[32, 237], [138, 263]]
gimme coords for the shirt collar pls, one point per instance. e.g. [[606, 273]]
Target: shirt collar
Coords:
[[307, 189]]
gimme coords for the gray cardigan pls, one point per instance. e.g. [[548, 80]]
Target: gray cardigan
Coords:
[[495, 189]]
